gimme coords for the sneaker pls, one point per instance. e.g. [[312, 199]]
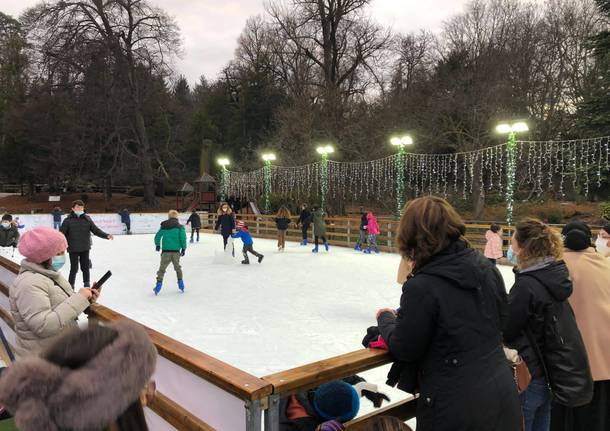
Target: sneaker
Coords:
[[157, 287], [260, 258], [181, 285]]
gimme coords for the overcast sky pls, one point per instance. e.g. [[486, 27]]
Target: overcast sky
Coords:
[[210, 27]]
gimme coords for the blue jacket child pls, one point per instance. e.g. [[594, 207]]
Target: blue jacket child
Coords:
[[244, 234]]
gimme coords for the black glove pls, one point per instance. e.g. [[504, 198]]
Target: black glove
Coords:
[[158, 248], [372, 334], [375, 397], [182, 252]]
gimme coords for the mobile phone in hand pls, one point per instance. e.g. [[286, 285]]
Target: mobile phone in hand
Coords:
[[98, 285]]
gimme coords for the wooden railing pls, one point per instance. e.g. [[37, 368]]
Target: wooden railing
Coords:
[[344, 231], [259, 395]]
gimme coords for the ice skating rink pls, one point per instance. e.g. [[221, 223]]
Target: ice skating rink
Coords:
[[295, 308]]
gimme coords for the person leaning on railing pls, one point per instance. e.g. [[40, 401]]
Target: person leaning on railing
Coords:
[[448, 329], [95, 379], [42, 301]]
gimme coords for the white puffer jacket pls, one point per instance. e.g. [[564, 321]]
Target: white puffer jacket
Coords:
[[43, 304]]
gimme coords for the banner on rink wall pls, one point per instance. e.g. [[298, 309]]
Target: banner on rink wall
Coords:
[[109, 223]]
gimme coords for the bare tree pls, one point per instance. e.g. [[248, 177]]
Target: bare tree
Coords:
[[136, 40]]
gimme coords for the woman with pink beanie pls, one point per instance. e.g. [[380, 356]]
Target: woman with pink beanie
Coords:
[[43, 304]]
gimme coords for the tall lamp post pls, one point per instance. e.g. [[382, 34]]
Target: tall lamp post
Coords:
[[267, 158], [401, 143], [224, 179], [511, 129], [324, 151]]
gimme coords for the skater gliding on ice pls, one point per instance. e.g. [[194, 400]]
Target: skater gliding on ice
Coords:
[[282, 221], [77, 228], [226, 222], [319, 228], [57, 214], [372, 227], [493, 247], [171, 241], [243, 233], [304, 221], [126, 220], [364, 221], [195, 222]]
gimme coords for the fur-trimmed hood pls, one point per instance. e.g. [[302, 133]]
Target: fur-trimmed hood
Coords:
[[108, 377]]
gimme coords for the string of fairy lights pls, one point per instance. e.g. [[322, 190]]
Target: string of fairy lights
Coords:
[[517, 166]]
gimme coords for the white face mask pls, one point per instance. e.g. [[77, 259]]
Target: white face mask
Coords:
[[602, 246], [6, 224]]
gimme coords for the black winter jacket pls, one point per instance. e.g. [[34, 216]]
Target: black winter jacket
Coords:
[[9, 237], [78, 232], [532, 292], [226, 222], [57, 215], [195, 221], [282, 223], [449, 328], [305, 217], [125, 216], [364, 221]]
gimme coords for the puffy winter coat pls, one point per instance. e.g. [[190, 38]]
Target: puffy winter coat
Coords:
[[43, 304], [372, 225], [226, 223], [78, 230], [449, 328], [493, 247], [9, 237], [244, 235], [171, 236], [319, 224], [195, 221]]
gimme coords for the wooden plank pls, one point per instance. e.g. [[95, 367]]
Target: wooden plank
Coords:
[[6, 316], [312, 375], [231, 379], [403, 410], [176, 415], [10, 265]]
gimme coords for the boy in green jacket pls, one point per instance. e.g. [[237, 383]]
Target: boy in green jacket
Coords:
[[171, 241]]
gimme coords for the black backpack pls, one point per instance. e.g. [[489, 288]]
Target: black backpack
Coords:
[[564, 360]]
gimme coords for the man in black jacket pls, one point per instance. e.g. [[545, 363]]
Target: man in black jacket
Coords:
[[195, 222], [304, 221], [77, 228]]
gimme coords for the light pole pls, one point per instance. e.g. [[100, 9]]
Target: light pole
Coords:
[[267, 158], [511, 129], [324, 151], [223, 162], [401, 143]]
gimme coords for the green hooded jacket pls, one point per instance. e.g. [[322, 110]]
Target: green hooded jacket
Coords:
[[171, 236], [319, 224]]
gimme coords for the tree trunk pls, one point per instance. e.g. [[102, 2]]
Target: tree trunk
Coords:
[[478, 199], [146, 158], [108, 188], [205, 155]]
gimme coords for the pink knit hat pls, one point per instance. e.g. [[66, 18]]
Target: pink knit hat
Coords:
[[41, 244]]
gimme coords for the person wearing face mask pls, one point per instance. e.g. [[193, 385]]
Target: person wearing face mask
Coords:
[[602, 244], [226, 222], [9, 233], [77, 228], [590, 275], [43, 304]]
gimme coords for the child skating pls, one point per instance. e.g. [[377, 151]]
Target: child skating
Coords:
[[363, 226], [171, 241], [243, 233], [493, 246], [282, 221], [319, 229], [372, 227], [195, 222]]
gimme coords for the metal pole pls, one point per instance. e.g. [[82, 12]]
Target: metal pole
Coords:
[[511, 169], [400, 180], [253, 415], [272, 414]]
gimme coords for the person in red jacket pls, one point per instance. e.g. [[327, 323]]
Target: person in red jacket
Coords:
[[373, 230]]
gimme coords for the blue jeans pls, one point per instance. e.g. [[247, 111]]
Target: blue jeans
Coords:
[[536, 406]]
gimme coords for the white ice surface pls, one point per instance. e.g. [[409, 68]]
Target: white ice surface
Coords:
[[295, 308]]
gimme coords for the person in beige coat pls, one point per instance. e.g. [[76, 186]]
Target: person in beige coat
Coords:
[[43, 304], [590, 300]]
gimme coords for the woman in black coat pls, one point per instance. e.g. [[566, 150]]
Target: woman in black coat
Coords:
[[225, 222], [449, 326]]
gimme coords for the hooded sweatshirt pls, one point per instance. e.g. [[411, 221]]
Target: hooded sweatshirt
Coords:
[[372, 225], [535, 289], [172, 236]]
